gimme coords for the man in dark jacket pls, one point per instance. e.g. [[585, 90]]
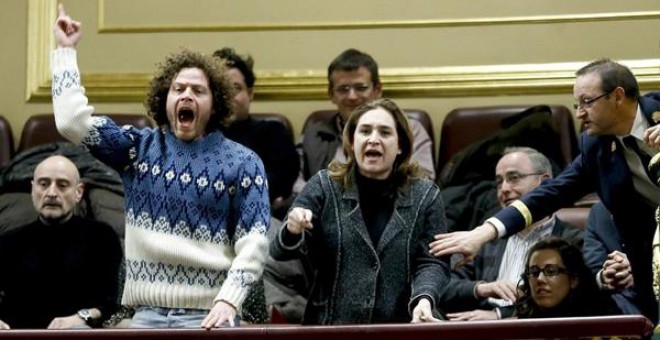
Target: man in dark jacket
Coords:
[[490, 281], [621, 132], [61, 270], [269, 139], [353, 80]]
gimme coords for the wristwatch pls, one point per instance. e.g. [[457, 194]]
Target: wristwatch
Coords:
[[86, 315]]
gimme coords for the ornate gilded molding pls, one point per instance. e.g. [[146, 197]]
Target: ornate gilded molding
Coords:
[[39, 44], [104, 27], [431, 82], [498, 80]]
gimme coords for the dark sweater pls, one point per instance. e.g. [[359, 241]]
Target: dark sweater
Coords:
[[53, 271], [377, 204]]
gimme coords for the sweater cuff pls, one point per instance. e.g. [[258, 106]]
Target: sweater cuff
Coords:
[[232, 294], [63, 58]]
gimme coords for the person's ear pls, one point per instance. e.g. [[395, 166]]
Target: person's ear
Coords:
[[80, 189], [575, 281], [378, 90], [619, 95]]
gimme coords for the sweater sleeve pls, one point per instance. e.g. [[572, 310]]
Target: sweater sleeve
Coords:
[[73, 116], [252, 215]]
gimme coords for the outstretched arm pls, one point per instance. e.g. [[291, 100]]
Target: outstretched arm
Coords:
[[467, 243]]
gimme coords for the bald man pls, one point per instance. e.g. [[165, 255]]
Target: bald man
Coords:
[[61, 270]]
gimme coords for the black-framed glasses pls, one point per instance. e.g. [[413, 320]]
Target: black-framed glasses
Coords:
[[587, 103], [358, 88], [514, 177], [550, 270]]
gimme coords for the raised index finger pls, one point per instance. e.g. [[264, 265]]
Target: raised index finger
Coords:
[[60, 10]]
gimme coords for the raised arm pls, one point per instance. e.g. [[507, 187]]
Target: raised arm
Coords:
[[73, 115]]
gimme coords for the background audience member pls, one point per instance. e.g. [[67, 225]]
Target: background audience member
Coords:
[[491, 280], [557, 283], [76, 259], [271, 142], [601, 245], [620, 134], [366, 224], [269, 139], [197, 207], [352, 81]]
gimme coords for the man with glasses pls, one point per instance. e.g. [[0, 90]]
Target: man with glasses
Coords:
[[352, 81], [613, 113], [490, 281]]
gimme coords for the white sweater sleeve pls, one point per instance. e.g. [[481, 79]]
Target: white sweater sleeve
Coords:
[[73, 116]]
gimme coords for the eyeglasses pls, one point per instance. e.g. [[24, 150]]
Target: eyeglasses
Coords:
[[587, 103], [514, 177], [358, 88], [550, 270]]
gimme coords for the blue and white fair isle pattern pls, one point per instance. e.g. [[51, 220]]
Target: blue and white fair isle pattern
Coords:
[[196, 212]]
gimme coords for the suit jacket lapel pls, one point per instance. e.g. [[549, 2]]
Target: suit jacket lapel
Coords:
[[402, 215], [615, 171], [354, 219], [492, 272]]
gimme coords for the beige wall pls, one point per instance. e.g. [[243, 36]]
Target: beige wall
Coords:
[[434, 55]]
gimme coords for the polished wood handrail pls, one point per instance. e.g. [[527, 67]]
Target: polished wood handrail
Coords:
[[629, 326]]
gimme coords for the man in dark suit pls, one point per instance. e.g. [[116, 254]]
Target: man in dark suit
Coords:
[[611, 109], [491, 280]]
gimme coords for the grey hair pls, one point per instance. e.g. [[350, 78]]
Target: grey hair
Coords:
[[539, 161]]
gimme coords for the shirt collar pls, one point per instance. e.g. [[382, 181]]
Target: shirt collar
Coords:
[[639, 126]]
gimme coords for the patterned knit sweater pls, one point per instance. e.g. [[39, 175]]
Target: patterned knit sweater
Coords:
[[196, 212]]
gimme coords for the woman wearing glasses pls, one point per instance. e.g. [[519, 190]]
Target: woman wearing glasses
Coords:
[[365, 226], [557, 283]]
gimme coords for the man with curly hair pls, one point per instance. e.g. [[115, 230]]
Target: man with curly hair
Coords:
[[197, 207]]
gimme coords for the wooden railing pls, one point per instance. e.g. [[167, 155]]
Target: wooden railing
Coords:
[[618, 326]]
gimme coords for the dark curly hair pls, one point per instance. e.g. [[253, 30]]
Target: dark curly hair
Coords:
[[213, 68]]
